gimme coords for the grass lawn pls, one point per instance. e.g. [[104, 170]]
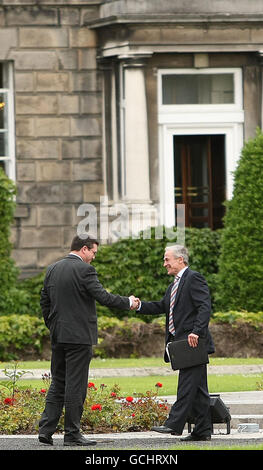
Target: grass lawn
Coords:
[[219, 447], [137, 384], [131, 385]]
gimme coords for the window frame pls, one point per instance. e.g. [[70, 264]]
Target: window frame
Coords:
[[9, 160], [177, 108]]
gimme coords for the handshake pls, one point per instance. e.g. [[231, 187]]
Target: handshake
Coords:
[[135, 302]]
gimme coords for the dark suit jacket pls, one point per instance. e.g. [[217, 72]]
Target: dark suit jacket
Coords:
[[68, 297], [191, 311]]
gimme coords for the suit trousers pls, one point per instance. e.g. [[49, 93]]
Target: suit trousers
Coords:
[[69, 371], [192, 400]]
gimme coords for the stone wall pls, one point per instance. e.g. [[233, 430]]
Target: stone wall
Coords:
[[60, 135], [58, 109]]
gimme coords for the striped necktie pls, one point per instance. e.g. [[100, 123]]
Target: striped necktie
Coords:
[[172, 301]]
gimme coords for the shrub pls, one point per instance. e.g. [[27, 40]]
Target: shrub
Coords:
[[18, 332], [24, 335], [241, 260], [107, 411], [8, 270], [29, 290], [135, 266], [236, 318], [104, 410]]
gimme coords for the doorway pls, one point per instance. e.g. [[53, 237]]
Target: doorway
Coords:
[[200, 178]]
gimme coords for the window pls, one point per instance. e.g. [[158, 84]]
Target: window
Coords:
[[198, 89], [7, 143], [215, 89]]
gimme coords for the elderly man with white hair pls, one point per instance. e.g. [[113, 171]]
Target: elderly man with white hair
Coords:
[[187, 306]]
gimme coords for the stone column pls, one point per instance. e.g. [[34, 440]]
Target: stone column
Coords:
[[260, 59], [136, 187]]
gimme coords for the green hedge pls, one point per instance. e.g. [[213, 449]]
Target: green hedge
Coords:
[[234, 317], [8, 270], [132, 266], [241, 259], [25, 333], [136, 266], [20, 332]]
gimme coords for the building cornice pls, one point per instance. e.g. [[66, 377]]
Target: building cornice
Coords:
[[160, 19]]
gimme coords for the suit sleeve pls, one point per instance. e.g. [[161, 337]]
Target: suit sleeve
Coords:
[[45, 301], [97, 291], [152, 308], [200, 295]]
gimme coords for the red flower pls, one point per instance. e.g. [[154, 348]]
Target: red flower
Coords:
[[113, 394], [129, 399], [158, 384], [96, 407], [91, 385], [43, 390], [162, 405], [9, 401]]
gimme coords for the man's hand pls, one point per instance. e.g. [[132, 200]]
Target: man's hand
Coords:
[[193, 340], [135, 302]]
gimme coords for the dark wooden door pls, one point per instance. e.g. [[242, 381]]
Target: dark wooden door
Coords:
[[199, 163]]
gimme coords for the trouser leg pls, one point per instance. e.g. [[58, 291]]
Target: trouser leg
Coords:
[[55, 396], [77, 358], [192, 392], [201, 408]]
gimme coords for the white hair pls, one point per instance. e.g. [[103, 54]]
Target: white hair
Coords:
[[179, 250]]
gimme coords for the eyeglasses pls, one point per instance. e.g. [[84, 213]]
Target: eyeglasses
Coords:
[[94, 252]]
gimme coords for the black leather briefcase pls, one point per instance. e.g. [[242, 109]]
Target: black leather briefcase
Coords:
[[219, 413], [182, 355]]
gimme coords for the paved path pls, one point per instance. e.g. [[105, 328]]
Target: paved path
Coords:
[[131, 440], [144, 371]]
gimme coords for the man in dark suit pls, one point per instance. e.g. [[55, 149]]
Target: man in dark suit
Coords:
[[71, 287], [187, 306]]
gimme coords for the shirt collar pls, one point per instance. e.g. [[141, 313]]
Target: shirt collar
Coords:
[[74, 254], [181, 272]]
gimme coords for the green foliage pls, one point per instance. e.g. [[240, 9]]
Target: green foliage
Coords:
[[16, 297], [14, 375], [23, 298], [7, 207], [240, 275], [235, 318], [135, 266], [29, 295], [8, 270], [18, 332]]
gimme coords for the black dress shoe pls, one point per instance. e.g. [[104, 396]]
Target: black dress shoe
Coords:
[[193, 437], [45, 439], [80, 441], [163, 429]]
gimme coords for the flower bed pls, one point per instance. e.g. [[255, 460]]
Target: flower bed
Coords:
[[105, 410]]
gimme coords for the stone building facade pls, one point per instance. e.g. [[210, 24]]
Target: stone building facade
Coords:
[[146, 103]]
